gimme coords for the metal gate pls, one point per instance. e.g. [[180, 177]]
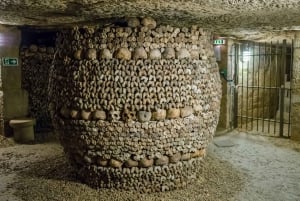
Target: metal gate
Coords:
[[262, 95]]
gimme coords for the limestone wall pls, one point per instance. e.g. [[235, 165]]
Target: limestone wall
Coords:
[[15, 99], [224, 120], [1, 107], [135, 106], [295, 93]]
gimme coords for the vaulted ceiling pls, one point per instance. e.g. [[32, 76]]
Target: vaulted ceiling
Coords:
[[240, 18]]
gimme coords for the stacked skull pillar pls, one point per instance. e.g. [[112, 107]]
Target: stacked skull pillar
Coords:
[[135, 106]]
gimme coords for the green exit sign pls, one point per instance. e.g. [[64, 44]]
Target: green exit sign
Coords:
[[8, 61], [219, 42]]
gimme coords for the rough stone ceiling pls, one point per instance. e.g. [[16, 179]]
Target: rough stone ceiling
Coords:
[[241, 18]]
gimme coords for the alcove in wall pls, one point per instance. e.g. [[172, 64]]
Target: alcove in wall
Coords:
[[37, 52]]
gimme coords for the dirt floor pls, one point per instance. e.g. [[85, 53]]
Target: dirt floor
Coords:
[[239, 167]]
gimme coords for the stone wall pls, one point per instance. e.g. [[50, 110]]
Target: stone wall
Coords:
[[135, 106], [1, 106], [224, 120], [15, 99], [36, 61], [295, 85]]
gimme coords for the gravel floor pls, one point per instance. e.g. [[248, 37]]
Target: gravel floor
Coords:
[[40, 172], [272, 165], [242, 167], [6, 142]]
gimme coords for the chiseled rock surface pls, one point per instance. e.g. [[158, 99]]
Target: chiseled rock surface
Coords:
[[225, 16]]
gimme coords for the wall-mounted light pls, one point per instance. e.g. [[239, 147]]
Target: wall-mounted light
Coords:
[[6, 39], [246, 53], [2, 39]]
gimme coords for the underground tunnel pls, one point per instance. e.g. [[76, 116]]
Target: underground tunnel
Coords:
[[135, 90]]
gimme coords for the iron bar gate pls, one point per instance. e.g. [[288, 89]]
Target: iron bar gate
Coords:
[[262, 96]]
